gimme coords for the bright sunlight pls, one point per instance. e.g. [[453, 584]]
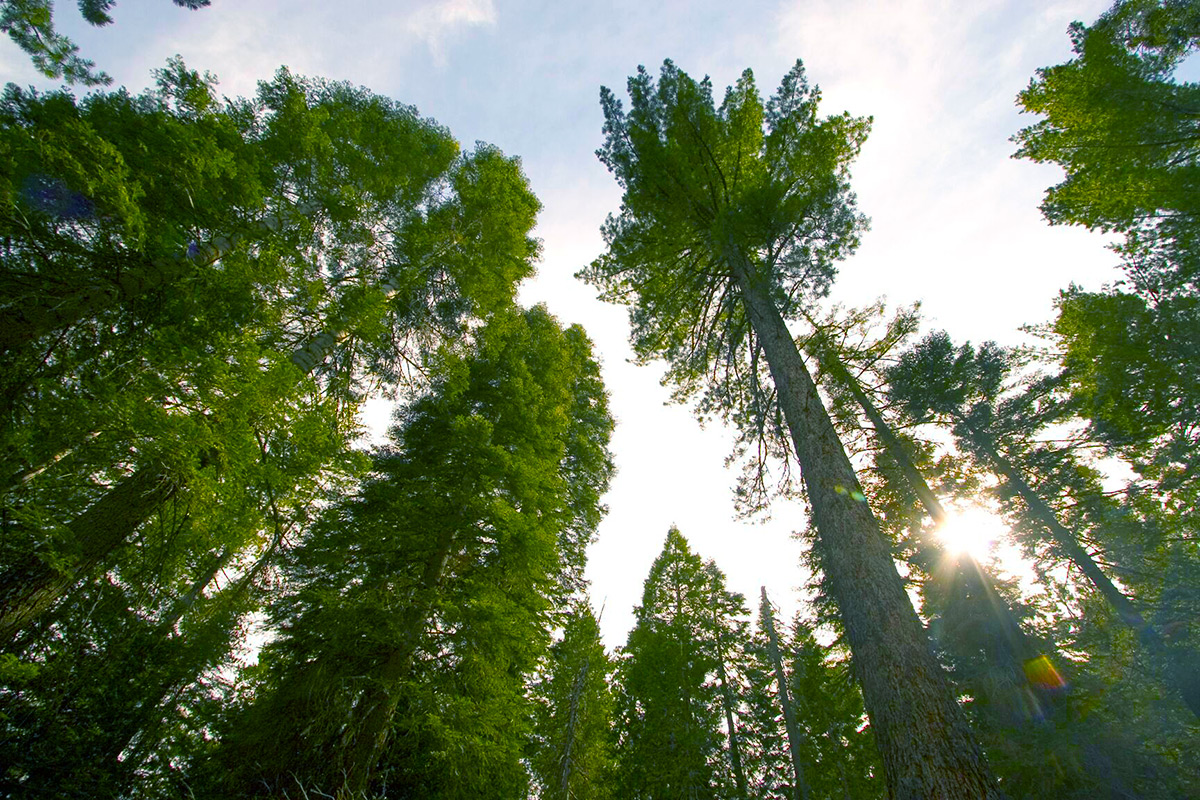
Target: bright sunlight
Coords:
[[973, 531]]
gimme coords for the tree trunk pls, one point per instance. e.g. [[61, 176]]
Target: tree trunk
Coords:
[[735, 753], [799, 786], [927, 749], [29, 589], [1022, 649], [572, 718], [1183, 666]]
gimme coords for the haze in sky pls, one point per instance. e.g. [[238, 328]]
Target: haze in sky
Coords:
[[955, 222]]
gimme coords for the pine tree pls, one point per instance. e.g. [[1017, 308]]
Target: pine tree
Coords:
[[732, 217], [673, 742], [573, 731], [421, 605], [823, 727]]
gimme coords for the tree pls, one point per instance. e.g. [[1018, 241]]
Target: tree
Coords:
[[432, 592], [822, 725], [342, 238], [1123, 128], [731, 217], [573, 733], [964, 386], [671, 702], [795, 743], [30, 24], [959, 593]]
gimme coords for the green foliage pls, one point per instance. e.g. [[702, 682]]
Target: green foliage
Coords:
[[836, 746], [1123, 128], [436, 586], [573, 740], [30, 24], [1106, 728], [769, 180], [670, 739], [168, 257]]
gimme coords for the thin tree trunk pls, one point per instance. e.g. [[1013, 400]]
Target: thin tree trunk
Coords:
[[927, 749], [799, 785], [1183, 667], [31, 588], [735, 753], [573, 716]]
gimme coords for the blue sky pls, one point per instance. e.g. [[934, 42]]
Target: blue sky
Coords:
[[954, 219]]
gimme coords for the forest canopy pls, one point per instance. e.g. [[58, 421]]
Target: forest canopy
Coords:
[[217, 581]]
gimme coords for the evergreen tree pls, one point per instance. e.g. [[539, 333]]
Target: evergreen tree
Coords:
[[671, 742], [822, 726], [198, 296], [964, 387], [1121, 124], [1123, 128], [421, 605], [731, 218], [314, 281], [573, 732]]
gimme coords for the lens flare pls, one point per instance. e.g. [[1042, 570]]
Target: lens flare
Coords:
[[1041, 674]]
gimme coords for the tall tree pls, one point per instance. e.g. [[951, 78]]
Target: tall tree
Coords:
[[671, 707], [731, 217], [956, 585], [573, 733], [795, 743], [826, 731], [341, 237], [1122, 124], [445, 572], [964, 387]]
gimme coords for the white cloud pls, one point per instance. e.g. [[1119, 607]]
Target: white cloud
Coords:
[[433, 22]]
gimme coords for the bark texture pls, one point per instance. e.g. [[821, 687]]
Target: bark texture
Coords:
[[926, 747]]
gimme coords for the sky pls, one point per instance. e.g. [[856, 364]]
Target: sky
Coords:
[[954, 219]]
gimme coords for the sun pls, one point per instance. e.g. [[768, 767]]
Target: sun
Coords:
[[971, 531]]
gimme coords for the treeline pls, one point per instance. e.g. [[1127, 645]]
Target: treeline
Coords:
[[210, 587]]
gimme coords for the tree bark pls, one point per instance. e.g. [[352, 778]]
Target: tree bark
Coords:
[[1183, 665], [799, 786], [1016, 640], [927, 749], [29, 589]]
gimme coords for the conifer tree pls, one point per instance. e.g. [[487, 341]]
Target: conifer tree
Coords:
[[824, 730], [420, 606], [733, 217], [573, 731], [671, 712]]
